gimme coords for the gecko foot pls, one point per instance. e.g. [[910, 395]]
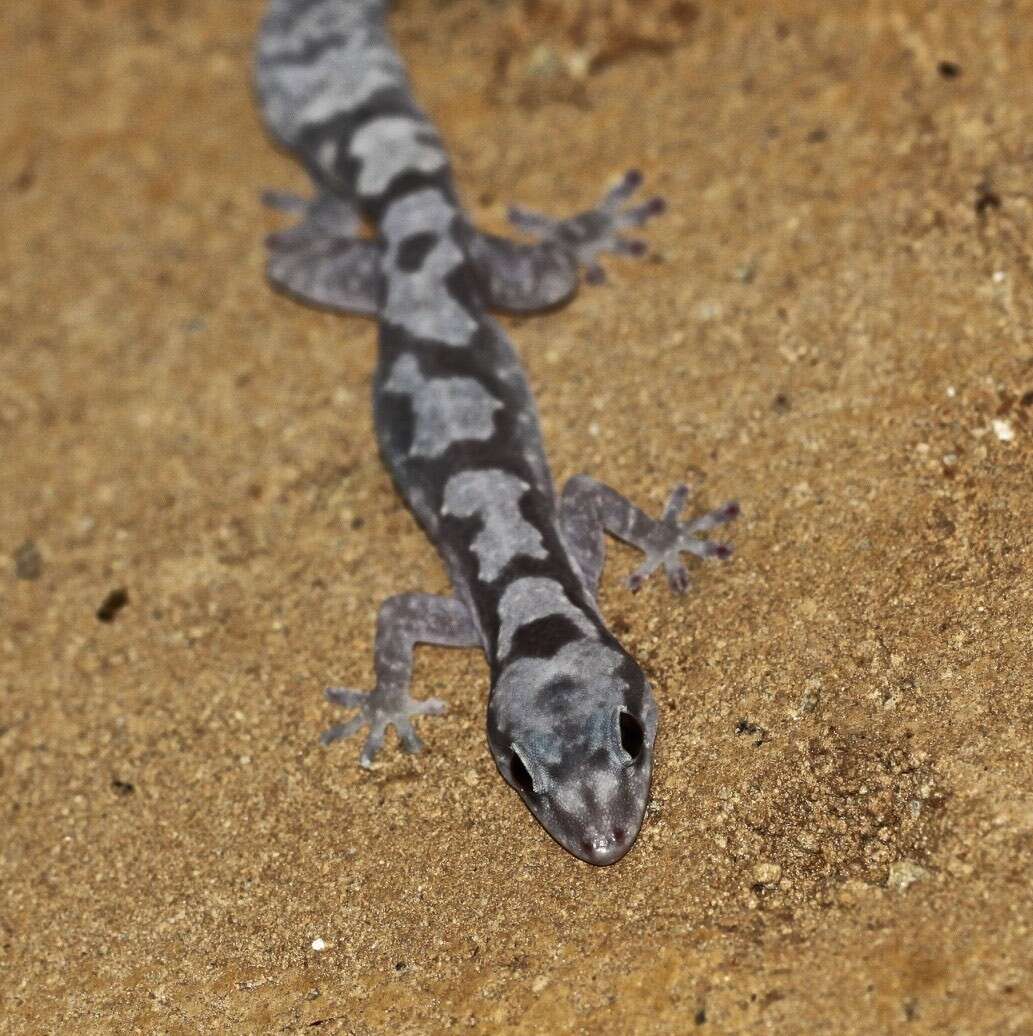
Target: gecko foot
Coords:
[[596, 231], [378, 710], [321, 260], [669, 538]]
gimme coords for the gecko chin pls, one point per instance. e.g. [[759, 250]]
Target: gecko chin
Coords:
[[585, 773]]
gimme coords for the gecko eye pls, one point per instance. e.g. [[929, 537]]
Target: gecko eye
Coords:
[[520, 773], [632, 736]]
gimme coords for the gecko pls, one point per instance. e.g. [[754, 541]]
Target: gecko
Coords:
[[571, 718]]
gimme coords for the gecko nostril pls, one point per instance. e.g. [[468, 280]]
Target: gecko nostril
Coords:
[[619, 834]]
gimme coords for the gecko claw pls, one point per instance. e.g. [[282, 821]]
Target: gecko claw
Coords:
[[628, 184]]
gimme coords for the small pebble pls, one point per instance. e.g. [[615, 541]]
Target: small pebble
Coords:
[[1003, 429], [28, 564], [767, 873], [904, 873]]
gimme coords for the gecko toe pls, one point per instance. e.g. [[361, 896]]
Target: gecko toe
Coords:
[[633, 247], [373, 745], [677, 578], [410, 740], [730, 511], [628, 184], [428, 707], [639, 215], [675, 503], [346, 697], [340, 731]]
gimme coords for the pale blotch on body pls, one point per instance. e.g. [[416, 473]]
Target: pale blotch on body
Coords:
[[531, 598], [446, 410], [419, 300], [494, 497], [391, 145]]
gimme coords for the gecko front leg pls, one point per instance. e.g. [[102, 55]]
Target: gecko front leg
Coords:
[[524, 278], [597, 230], [403, 621], [588, 508]]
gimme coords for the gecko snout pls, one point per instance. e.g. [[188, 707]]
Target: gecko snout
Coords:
[[605, 848]]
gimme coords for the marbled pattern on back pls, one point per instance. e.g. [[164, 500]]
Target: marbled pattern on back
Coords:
[[571, 720]]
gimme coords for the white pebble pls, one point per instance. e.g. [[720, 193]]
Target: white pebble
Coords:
[[1003, 429], [767, 873], [904, 873]]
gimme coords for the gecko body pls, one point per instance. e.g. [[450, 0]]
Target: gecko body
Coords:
[[571, 719]]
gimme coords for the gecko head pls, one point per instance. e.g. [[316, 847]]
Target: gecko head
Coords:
[[573, 734]]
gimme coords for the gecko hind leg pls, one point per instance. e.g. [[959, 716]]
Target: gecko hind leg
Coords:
[[320, 260], [597, 230], [589, 508], [403, 621]]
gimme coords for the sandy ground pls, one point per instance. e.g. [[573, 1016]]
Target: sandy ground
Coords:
[[834, 328]]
